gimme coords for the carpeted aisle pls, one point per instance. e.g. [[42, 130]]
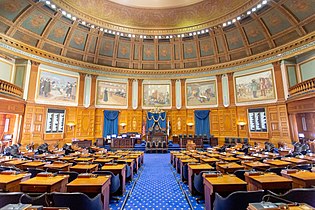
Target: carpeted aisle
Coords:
[[157, 187]]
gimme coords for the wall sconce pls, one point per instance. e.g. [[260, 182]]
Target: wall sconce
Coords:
[[71, 125], [190, 124], [241, 124], [123, 125]]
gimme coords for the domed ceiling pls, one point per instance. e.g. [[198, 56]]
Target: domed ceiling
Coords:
[[277, 23]]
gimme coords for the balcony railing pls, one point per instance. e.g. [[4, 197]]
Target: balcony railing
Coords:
[[302, 87], [11, 89]]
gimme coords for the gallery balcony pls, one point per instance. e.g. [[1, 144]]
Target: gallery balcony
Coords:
[[10, 89]]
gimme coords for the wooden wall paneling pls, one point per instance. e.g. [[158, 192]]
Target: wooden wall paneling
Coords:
[[178, 122], [99, 123], [134, 121], [242, 116], [227, 122], [71, 117], [190, 119], [274, 125], [85, 123], [214, 122], [284, 123], [123, 118], [39, 119], [27, 136]]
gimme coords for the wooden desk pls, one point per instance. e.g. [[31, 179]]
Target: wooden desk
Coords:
[[54, 167], [256, 165], [278, 163], [246, 157], [103, 160], [268, 181], [118, 169], [16, 162], [34, 164], [213, 155], [99, 184], [10, 182], [66, 158], [83, 159], [295, 161], [209, 160], [45, 184], [260, 156], [195, 169], [228, 167], [229, 159], [223, 185], [182, 163], [310, 159], [137, 160], [5, 159], [301, 179], [88, 168], [130, 163], [177, 162]]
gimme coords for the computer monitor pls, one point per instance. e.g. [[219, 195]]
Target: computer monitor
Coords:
[[108, 137], [114, 135], [301, 135], [138, 136], [119, 137], [124, 135]]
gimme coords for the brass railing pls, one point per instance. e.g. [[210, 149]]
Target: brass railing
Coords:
[[302, 87], [11, 89]]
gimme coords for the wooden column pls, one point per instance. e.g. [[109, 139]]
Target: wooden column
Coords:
[[173, 89], [231, 89], [93, 88], [220, 91], [279, 81], [81, 89], [183, 91], [32, 85], [293, 126], [129, 102], [140, 93]]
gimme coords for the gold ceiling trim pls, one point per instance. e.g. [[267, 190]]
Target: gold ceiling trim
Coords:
[[126, 19], [232, 66]]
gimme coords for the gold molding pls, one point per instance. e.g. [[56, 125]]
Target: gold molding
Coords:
[[264, 58]]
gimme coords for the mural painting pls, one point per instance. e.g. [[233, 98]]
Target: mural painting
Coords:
[[111, 93], [156, 95], [255, 87], [201, 93], [57, 88]]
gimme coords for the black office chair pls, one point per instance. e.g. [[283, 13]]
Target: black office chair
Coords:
[[114, 180], [238, 200], [276, 170], [164, 147], [153, 146], [77, 201], [34, 171], [72, 175], [9, 198], [240, 174], [238, 140], [245, 140], [198, 185], [299, 195], [307, 167], [38, 199]]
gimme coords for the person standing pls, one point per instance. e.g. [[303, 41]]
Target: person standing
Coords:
[[254, 87]]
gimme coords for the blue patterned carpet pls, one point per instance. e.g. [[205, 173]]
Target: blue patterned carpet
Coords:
[[156, 186]]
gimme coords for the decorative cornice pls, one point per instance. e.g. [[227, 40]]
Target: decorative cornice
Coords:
[[291, 49], [199, 16]]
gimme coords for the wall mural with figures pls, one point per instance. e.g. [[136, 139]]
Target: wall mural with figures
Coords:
[[57, 88], [255, 87], [201, 93], [156, 95], [111, 93]]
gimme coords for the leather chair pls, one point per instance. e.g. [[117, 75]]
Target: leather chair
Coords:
[[72, 175], [114, 180], [276, 170], [34, 171], [240, 174], [77, 201], [299, 195], [10, 198], [198, 184], [238, 200], [38, 199]]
